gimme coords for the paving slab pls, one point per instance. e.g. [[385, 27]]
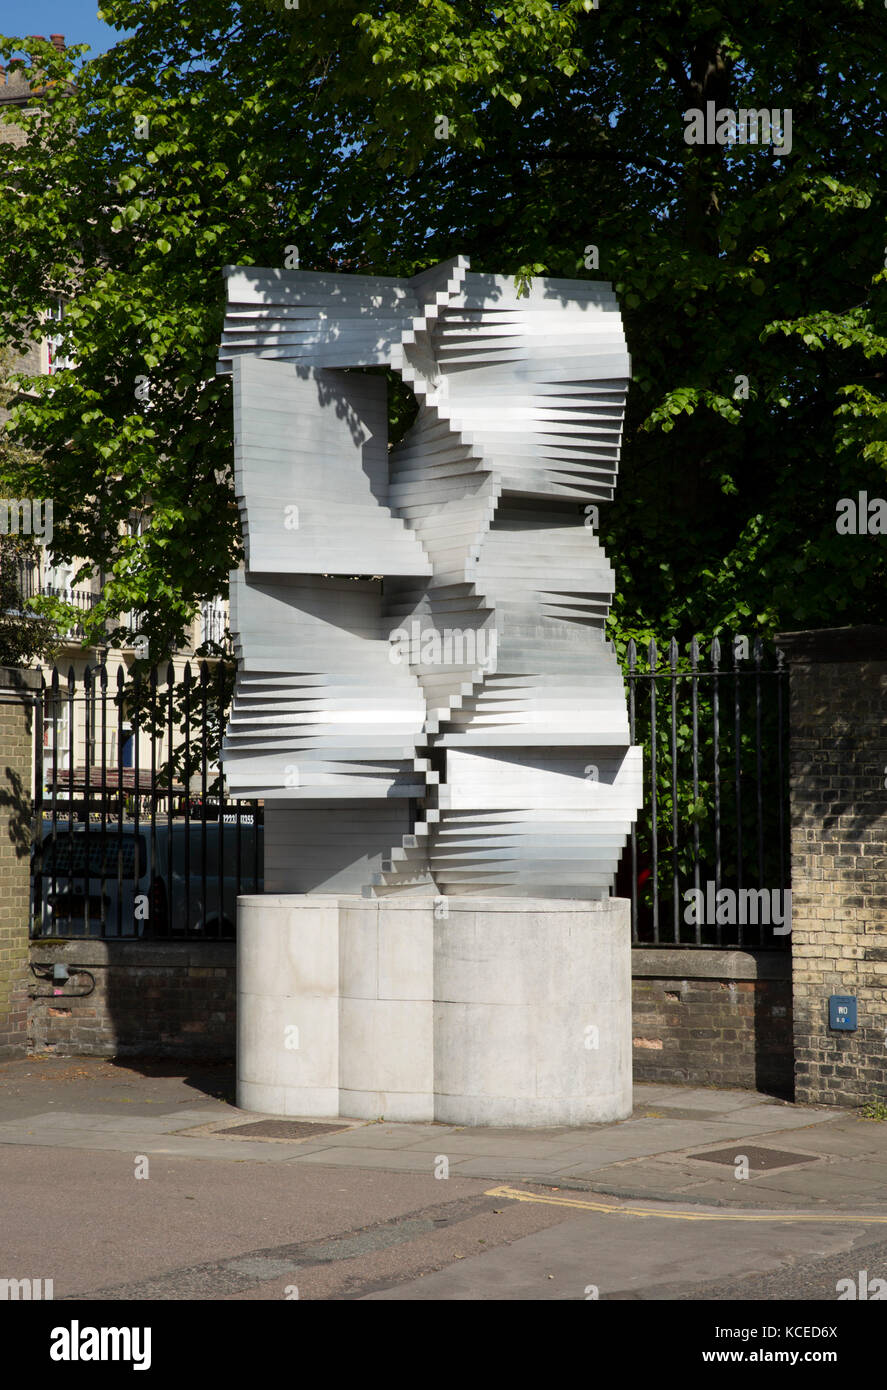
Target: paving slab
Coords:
[[374, 1136], [394, 1160], [720, 1192], [846, 1136], [769, 1117], [111, 1124], [822, 1185], [704, 1098], [512, 1145], [151, 1144], [500, 1168], [874, 1171]]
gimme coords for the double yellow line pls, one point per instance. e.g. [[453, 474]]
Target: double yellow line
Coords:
[[516, 1194]]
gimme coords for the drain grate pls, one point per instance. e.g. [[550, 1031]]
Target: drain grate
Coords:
[[280, 1129], [759, 1159]]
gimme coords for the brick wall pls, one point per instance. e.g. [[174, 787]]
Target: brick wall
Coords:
[[149, 999], [14, 92], [11, 134], [839, 858], [705, 1018], [711, 1017], [16, 809]]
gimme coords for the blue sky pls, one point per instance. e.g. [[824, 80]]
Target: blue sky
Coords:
[[76, 19]]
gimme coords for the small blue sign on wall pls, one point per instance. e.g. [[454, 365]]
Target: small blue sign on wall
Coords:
[[842, 1011]]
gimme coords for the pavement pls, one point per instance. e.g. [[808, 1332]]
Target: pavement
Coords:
[[703, 1193]]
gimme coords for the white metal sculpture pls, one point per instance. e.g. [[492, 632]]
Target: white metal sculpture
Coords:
[[425, 698]]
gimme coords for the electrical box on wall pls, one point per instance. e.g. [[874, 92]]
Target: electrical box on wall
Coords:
[[842, 1012]]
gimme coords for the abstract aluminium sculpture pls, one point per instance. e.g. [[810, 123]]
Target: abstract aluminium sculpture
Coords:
[[425, 699], [475, 679]]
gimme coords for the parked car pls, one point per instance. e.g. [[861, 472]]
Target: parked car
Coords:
[[125, 882]]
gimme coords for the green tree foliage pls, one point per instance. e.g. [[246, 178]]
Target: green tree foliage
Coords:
[[25, 636], [383, 139]]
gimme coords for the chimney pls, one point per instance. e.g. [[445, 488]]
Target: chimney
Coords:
[[57, 40]]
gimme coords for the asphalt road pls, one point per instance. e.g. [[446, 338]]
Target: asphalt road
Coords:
[[235, 1229]]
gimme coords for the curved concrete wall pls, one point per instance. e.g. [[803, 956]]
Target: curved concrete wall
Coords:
[[479, 1011]]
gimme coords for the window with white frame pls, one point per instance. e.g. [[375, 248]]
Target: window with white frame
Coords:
[[56, 359], [56, 733]]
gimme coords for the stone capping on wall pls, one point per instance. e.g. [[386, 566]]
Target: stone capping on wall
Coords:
[[656, 962], [93, 952], [866, 643], [646, 961], [455, 903]]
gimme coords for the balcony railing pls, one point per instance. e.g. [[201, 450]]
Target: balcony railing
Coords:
[[32, 584], [214, 624]]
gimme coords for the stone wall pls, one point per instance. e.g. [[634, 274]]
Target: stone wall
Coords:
[[14, 92], [134, 998], [713, 1017], [17, 690], [839, 858]]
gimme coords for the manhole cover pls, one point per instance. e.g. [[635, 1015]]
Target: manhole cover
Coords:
[[280, 1129], [760, 1159]]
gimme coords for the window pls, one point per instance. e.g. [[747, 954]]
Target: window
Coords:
[[57, 361], [56, 733]]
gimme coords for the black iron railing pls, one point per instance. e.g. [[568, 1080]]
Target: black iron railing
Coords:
[[214, 625], [133, 836], [708, 862]]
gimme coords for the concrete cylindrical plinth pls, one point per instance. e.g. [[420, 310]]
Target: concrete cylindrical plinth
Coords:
[[474, 1011]]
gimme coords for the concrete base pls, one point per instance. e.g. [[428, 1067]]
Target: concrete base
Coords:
[[470, 1011]]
